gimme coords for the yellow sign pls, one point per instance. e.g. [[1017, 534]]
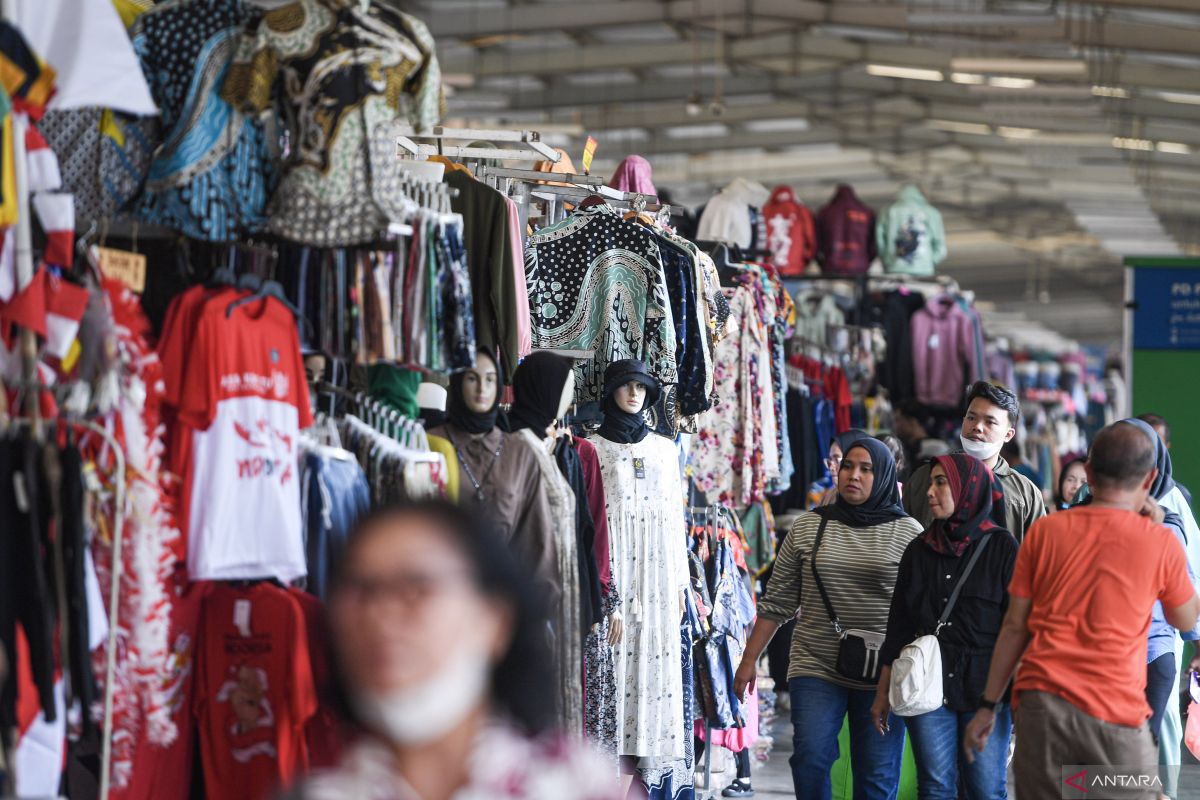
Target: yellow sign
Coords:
[[589, 150], [124, 266]]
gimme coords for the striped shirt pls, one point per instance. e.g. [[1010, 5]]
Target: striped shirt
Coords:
[[858, 568]]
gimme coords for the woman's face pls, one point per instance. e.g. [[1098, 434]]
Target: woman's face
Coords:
[[405, 600], [1073, 480], [479, 384], [834, 460], [940, 497], [856, 476], [630, 397]]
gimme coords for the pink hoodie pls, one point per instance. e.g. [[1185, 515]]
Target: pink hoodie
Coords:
[[943, 343]]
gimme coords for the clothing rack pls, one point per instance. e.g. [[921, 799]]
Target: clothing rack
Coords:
[[525, 185], [530, 143]]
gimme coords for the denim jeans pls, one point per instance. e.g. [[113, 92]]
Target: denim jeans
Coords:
[[818, 709], [334, 493], [937, 749]]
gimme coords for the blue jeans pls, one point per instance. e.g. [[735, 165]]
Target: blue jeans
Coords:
[[818, 709], [937, 748], [334, 493]]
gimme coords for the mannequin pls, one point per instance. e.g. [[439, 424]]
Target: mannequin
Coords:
[[543, 387], [645, 499], [498, 478]]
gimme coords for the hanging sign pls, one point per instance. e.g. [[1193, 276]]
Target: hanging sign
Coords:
[[124, 266], [1166, 309], [589, 150]]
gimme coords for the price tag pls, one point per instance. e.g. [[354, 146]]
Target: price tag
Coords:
[[639, 468], [934, 341], [241, 617], [589, 150], [124, 266]]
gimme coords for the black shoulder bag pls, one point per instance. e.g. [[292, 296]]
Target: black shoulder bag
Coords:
[[858, 650]]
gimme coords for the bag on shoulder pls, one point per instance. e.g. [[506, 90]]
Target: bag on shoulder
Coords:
[[858, 650]]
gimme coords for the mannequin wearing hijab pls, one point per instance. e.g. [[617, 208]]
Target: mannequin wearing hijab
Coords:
[[863, 535], [645, 504], [499, 477], [542, 389]]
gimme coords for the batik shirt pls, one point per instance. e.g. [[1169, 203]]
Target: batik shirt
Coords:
[[340, 70], [212, 172], [596, 282]]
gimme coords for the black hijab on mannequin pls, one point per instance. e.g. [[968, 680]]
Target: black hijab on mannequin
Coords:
[[460, 415], [619, 425], [538, 390], [883, 505]]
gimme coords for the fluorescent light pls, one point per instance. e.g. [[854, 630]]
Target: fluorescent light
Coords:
[[1006, 82], [1180, 97], [966, 78], [907, 73], [1110, 91], [778, 125], [1129, 143], [1017, 133], [1025, 66], [947, 19], [1178, 148], [713, 129], [953, 126]]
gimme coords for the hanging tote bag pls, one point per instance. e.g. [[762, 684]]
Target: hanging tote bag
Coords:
[[858, 650], [916, 685]]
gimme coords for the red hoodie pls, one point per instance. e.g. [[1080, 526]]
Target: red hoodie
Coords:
[[845, 234], [790, 233]]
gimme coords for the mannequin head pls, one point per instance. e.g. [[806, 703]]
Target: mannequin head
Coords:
[[630, 397], [479, 385], [543, 389], [568, 396]]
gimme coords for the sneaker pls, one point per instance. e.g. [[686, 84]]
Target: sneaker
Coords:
[[738, 788]]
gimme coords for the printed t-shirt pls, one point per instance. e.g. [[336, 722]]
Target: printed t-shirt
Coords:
[[254, 691], [1093, 575], [245, 398], [321, 733]]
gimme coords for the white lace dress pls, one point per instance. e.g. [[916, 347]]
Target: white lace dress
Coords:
[[648, 540]]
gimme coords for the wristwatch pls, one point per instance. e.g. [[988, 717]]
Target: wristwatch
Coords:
[[990, 705]]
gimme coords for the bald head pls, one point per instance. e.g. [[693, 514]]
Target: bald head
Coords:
[[1121, 458]]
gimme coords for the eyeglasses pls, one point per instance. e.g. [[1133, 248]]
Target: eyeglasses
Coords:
[[834, 463]]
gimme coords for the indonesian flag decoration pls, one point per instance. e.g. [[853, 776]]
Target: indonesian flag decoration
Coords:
[[8, 264], [44, 172], [56, 212]]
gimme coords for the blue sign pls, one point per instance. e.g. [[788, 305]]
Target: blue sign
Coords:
[[1166, 315]]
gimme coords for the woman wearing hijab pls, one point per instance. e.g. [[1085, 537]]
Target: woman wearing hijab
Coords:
[[853, 546], [837, 448], [962, 494], [543, 387], [498, 479]]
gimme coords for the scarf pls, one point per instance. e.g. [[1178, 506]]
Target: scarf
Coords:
[[884, 503], [460, 415], [537, 391], [395, 387], [976, 493], [619, 425], [1163, 482]]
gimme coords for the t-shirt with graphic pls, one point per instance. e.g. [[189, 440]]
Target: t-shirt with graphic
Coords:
[[254, 691], [791, 236], [245, 398], [322, 733]]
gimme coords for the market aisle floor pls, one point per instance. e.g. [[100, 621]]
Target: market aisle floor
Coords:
[[772, 780]]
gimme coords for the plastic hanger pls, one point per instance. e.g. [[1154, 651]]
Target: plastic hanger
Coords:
[[272, 289]]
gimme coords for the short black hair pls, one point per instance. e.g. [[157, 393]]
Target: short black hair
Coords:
[[521, 677], [914, 410], [1158, 421], [1121, 457], [997, 396]]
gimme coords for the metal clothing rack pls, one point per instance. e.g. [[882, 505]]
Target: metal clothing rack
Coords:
[[554, 189], [529, 145]]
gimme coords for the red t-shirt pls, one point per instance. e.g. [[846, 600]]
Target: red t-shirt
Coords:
[[254, 691], [323, 733], [1093, 575]]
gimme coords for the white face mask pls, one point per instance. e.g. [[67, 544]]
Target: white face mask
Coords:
[[984, 451], [433, 708]]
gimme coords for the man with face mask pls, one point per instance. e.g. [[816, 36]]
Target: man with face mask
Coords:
[[990, 421]]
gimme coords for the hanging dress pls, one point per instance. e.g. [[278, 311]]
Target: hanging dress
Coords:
[[647, 534], [568, 639]]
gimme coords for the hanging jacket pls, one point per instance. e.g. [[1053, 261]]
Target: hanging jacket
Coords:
[[726, 218], [791, 237], [845, 234], [943, 348], [633, 175], [909, 236]]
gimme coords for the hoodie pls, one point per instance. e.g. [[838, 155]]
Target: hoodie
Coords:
[[845, 234], [726, 218], [943, 349], [910, 237], [791, 237]]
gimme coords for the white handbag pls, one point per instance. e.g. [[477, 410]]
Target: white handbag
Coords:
[[916, 683]]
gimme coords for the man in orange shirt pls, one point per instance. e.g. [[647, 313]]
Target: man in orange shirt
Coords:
[[1079, 611]]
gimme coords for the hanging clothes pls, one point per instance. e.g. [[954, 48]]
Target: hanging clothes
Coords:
[[815, 312], [212, 171], [943, 350], [364, 64], [845, 234], [910, 236], [634, 174], [726, 218], [598, 283], [791, 235]]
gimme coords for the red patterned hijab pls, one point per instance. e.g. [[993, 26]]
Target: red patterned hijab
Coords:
[[978, 504]]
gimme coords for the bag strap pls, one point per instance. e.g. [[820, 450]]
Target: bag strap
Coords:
[[958, 587], [837, 625]]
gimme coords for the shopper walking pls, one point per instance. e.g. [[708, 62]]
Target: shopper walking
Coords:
[[1071, 478], [990, 421], [1079, 610], [839, 565], [964, 555], [833, 461], [444, 667]]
